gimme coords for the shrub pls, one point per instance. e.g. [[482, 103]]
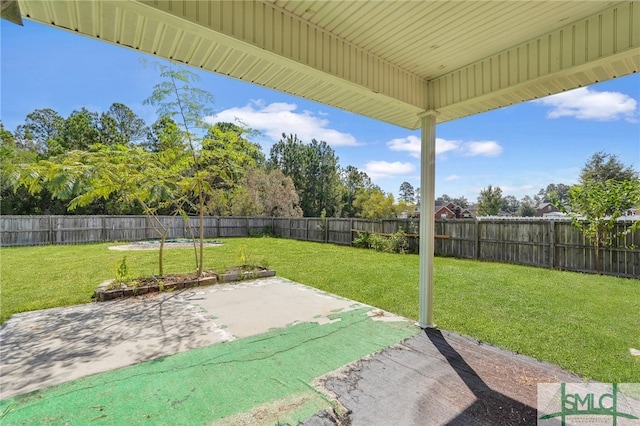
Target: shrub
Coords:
[[122, 271], [380, 243], [395, 243], [363, 240], [398, 242]]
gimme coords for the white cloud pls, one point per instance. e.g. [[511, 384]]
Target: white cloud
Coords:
[[451, 178], [279, 117], [444, 145], [411, 144], [385, 169], [483, 148], [587, 104]]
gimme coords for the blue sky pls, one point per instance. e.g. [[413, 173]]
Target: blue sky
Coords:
[[521, 149]]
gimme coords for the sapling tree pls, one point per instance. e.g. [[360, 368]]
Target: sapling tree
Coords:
[[217, 154], [595, 207], [607, 189], [175, 97]]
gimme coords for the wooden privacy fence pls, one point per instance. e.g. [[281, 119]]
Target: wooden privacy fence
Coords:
[[548, 243], [537, 242], [39, 230]]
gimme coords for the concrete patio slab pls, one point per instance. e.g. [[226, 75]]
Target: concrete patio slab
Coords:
[[43, 348], [267, 351]]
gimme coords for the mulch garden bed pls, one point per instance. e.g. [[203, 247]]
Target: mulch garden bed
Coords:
[[108, 290]]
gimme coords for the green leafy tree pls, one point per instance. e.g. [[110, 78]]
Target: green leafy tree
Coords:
[[607, 189], [601, 167], [461, 201], [407, 193], [353, 180], [314, 170], [14, 201], [527, 207], [405, 207], [372, 203], [177, 97], [40, 132], [526, 210], [490, 201], [560, 190], [17, 200], [120, 125], [164, 135], [129, 175], [230, 146], [265, 193], [595, 206], [79, 131], [242, 142], [288, 155], [510, 204], [443, 199], [225, 157], [323, 180]]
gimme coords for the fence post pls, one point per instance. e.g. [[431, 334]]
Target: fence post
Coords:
[[552, 244], [477, 239], [50, 229], [350, 232], [306, 229], [326, 230]]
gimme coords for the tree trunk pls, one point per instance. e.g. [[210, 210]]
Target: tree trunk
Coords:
[[201, 216], [597, 254]]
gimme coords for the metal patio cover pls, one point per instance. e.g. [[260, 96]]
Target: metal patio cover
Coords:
[[389, 60]]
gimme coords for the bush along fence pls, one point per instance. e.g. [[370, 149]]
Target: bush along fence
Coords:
[[538, 242]]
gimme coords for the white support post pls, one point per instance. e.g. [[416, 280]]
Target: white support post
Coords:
[[427, 212]]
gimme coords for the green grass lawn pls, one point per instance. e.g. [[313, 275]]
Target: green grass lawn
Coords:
[[583, 323]]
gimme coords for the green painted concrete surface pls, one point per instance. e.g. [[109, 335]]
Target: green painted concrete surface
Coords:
[[266, 378]]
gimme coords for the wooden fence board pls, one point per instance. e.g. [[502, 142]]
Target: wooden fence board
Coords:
[[339, 231], [282, 227], [546, 243]]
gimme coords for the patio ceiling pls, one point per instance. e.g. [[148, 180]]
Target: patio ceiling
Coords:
[[389, 60]]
